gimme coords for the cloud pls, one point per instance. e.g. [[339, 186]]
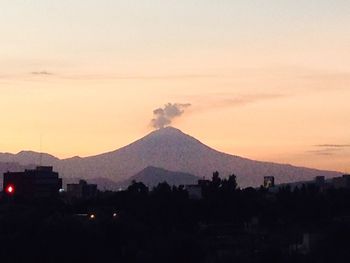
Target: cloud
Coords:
[[164, 116], [321, 152], [228, 100], [329, 149], [333, 145], [248, 99], [44, 72]]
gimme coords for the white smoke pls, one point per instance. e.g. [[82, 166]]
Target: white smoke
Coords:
[[164, 116]]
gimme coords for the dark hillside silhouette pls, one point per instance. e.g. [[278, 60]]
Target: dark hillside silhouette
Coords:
[[152, 176]]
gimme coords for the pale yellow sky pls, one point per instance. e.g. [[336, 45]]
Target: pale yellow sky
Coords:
[[268, 82]]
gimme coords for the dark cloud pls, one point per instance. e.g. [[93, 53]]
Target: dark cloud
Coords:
[[164, 116]]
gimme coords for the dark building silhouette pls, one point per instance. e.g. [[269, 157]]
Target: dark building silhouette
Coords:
[[40, 182], [320, 181], [82, 190], [342, 182], [203, 182], [195, 191]]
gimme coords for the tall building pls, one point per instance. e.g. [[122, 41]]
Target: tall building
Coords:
[[40, 182]]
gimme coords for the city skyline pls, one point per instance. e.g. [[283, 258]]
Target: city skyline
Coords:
[[265, 81]]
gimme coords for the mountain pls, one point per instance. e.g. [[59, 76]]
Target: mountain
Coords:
[[28, 158], [152, 176], [171, 149]]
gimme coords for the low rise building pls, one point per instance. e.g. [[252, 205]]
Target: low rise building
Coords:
[[320, 181], [82, 190], [341, 182], [195, 191]]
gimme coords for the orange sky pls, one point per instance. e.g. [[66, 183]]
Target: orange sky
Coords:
[[268, 82]]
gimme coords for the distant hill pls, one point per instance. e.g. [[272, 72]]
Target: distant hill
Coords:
[[152, 176], [29, 158], [172, 150]]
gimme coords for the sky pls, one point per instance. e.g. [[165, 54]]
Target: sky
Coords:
[[267, 80]]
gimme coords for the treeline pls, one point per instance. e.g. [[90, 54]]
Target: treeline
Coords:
[[164, 224]]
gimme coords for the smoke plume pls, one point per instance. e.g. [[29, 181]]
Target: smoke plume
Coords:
[[164, 116]]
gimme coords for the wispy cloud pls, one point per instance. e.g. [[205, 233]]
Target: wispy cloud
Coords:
[[227, 100], [137, 77], [321, 152], [44, 72], [329, 149], [333, 145], [248, 99], [326, 151]]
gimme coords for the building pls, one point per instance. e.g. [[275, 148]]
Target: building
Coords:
[[203, 182], [195, 191], [269, 181], [341, 182], [320, 181], [40, 182], [82, 190]]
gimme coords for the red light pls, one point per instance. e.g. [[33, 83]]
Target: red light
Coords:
[[10, 189]]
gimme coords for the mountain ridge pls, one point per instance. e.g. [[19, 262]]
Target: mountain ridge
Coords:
[[171, 149], [151, 176]]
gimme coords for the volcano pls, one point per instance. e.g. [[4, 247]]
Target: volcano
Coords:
[[170, 149]]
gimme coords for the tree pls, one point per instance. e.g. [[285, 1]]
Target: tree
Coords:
[[137, 188], [231, 183], [216, 180], [162, 189]]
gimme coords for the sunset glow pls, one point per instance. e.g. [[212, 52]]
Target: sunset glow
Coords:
[[267, 82]]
